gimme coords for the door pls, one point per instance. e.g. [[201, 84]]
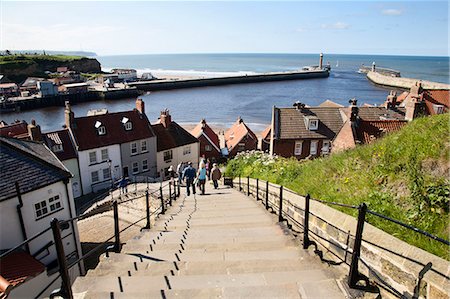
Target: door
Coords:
[[125, 171]]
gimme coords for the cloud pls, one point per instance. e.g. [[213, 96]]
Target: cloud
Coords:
[[336, 26], [391, 12]]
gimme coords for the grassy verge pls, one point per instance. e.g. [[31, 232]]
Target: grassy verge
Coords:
[[404, 176], [19, 59]]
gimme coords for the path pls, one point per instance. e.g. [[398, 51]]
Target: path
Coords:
[[220, 245]]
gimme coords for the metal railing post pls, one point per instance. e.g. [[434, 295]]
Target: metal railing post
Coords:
[[306, 241], [248, 186], [135, 184], [170, 193], [240, 188], [147, 208], [116, 227], [257, 189], [66, 287], [267, 195], [280, 211], [354, 276], [179, 189], [146, 181], [163, 208]]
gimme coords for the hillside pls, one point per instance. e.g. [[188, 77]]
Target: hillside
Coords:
[[19, 67], [404, 176]]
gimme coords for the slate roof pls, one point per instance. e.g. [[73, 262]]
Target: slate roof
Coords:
[[86, 135], [380, 113], [236, 133], [30, 163], [436, 97], [18, 130], [171, 137], [368, 131], [291, 124], [17, 267], [204, 128], [63, 138]]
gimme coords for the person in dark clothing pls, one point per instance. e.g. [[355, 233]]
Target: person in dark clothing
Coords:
[[189, 174]]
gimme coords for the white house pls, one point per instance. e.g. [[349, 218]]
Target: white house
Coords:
[[174, 144], [35, 187]]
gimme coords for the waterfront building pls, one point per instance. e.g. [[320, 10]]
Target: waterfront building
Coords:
[[30, 86], [240, 138], [21, 130], [112, 145], [46, 88], [209, 141], [9, 89], [35, 188], [125, 74], [74, 88], [174, 144]]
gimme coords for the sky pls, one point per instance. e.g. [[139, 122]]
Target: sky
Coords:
[[151, 27]]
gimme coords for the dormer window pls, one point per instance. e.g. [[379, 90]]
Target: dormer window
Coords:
[[100, 128], [57, 148], [313, 124], [127, 124], [438, 109]]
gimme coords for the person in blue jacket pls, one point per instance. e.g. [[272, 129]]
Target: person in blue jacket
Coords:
[[189, 175], [202, 177]]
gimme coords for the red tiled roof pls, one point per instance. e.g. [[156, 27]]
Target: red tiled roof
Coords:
[[171, 137], [63, 138], [86, 135], [368, 131], [436, 97], [17, 267], [235, 134], [266, 132], [17, 130], [206, 129]]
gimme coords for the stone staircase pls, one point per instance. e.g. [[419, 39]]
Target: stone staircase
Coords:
[[219, 245]]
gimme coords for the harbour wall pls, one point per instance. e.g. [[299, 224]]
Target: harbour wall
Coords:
[[203, 82], [403, 83]]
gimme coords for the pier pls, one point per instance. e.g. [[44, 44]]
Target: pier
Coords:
[[402, 83]]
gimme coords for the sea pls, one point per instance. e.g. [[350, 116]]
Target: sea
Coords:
[[253, 102]]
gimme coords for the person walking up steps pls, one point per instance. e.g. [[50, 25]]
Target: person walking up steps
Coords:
[[202, 177], [216, 174], [189, 176]]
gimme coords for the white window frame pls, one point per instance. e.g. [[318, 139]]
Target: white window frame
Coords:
[[105, 157], [128, 126], [298, 148], [169, 155], [101, 130], [144, 147], [134, 149], [438, 109], [311, 151], [57, 148], [187, 150], [48, 206], [55, 203], [135, 165], [208, 148], [91, 156], [92, 176], [325, 150], [144, 165], [106, 174], [41, 209], [315, 126]]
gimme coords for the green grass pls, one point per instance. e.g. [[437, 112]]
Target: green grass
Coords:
[[28, 59], [404, 176]]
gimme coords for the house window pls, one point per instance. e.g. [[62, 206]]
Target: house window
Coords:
[[92, 157], [55, 203], [134, 148], [106, 174], [167, 155], [313, 149], [105, 156], [313, 124], [298, 148], [135, 167], [143, 145], [438, 109], [186, 150], [241, 147], [144, 165], [128, 126], [41, 208], [208, 148], [57, 148], [101, 130], [326, 147], [94, 176]]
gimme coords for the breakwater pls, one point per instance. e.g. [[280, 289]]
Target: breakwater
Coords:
[[402, 83], [203, 82]]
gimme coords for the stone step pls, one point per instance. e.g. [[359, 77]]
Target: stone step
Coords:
[[146, 268], [119, 284]]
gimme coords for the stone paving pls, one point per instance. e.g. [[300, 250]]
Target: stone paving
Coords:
[[219, 245]]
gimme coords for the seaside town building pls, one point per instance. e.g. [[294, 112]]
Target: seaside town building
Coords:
[[174, 144], [240, 138], [265, 139], [209, 141], [73, 88], [21, 130], [30, 86], [125, 74], [9, 89], [112, 145], [35, 188]]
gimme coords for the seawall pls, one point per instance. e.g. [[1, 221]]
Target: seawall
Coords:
[[403, 83], [203, 82]]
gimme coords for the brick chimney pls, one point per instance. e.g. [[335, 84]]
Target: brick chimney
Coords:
[[391, 100], [34, 131], [203, 123], [68, 115], [140, 106], [165, 118], [414, 102]]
